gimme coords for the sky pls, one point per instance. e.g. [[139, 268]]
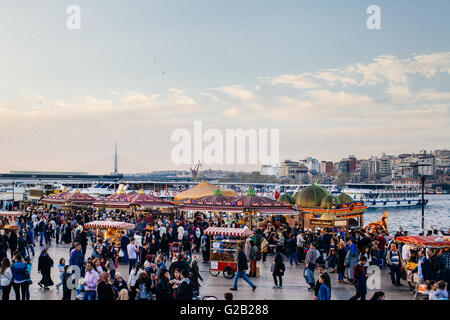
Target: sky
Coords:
[[138, 70]]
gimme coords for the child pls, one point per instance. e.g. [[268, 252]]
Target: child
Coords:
[[80, 289], [439, 291], [324, 291], [67, 293], [61, 266], [28, 280]]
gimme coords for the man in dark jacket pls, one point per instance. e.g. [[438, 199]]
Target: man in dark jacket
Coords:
[[82, 239], [22, 244], [124, 241], [3, 244], [178, 264], [326, 279], [242, 267], [360, 279], [185, 290], [292, 249], [76, 257]]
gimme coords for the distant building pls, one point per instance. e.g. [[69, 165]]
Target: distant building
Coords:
[[312, 165], [292, 170], [385, 165], [267, 170], [326, 168], [348, 164]]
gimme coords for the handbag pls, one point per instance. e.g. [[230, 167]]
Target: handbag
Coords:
[[27, 277], [347, 258]]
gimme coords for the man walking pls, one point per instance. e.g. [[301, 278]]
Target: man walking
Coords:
[[394, 261], [326, 279], [132, 254], [360, 279], [310, 265], [91, 279], [292, 247], [242, 267], [124, 241]]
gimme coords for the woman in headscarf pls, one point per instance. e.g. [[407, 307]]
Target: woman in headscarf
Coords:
[[119, 284], [105, 290], [45, 264]]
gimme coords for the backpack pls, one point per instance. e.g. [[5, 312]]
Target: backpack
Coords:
[[258, 254]]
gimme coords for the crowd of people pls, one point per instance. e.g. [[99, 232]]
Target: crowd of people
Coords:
[[159, 270]]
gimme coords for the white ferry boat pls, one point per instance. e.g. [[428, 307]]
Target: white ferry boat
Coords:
[[384, 195]]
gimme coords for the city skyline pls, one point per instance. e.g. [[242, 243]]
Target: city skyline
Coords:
[[66, 96]]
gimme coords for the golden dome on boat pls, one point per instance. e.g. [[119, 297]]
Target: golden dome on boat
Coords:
[[311, 197]]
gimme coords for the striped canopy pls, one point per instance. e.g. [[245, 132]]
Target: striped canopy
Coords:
[[234, 232], [11, 213], [426, 241], [65, 197], [109, 225], [124, 201]]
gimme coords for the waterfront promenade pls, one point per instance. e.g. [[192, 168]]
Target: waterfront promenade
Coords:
[[294, 286]]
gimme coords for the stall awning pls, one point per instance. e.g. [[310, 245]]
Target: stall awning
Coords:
[[11, 213], [201, 190], [263, 210], [109, 225], [425, 241], [233, 232]]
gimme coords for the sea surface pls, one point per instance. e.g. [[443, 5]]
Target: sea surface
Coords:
[[437, 214]]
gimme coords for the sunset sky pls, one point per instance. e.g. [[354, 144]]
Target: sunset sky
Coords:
[[137, 70]]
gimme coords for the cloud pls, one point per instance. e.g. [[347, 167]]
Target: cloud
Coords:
[[388, 101], [237, 91], [384, 68], [300, 81]]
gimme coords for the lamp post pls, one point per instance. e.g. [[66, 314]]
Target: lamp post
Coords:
[[423, 173]]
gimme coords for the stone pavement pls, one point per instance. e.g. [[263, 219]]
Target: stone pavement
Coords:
[[294, 285]]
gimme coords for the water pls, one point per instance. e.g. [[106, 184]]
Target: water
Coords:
[[437, 214]]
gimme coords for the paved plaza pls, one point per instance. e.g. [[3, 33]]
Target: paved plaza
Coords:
[[294, 285]]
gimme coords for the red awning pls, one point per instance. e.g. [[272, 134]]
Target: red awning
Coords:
[[432, 241], [109, 225], [234, 232], [11, 213]]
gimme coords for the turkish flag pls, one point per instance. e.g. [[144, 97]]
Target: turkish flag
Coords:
[[277, 194]]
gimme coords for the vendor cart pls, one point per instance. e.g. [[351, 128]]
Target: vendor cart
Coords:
[[109, 229], [223, 249], [8, 219], [417, 243]]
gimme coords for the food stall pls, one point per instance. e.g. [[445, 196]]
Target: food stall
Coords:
[[241, 209], [436, 243], [66, 199], [8, 219], [223, 249], [109, 229]]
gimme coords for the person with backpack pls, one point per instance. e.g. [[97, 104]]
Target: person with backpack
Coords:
[[310, 265]]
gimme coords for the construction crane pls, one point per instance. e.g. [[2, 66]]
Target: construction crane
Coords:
[[194, 172]]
